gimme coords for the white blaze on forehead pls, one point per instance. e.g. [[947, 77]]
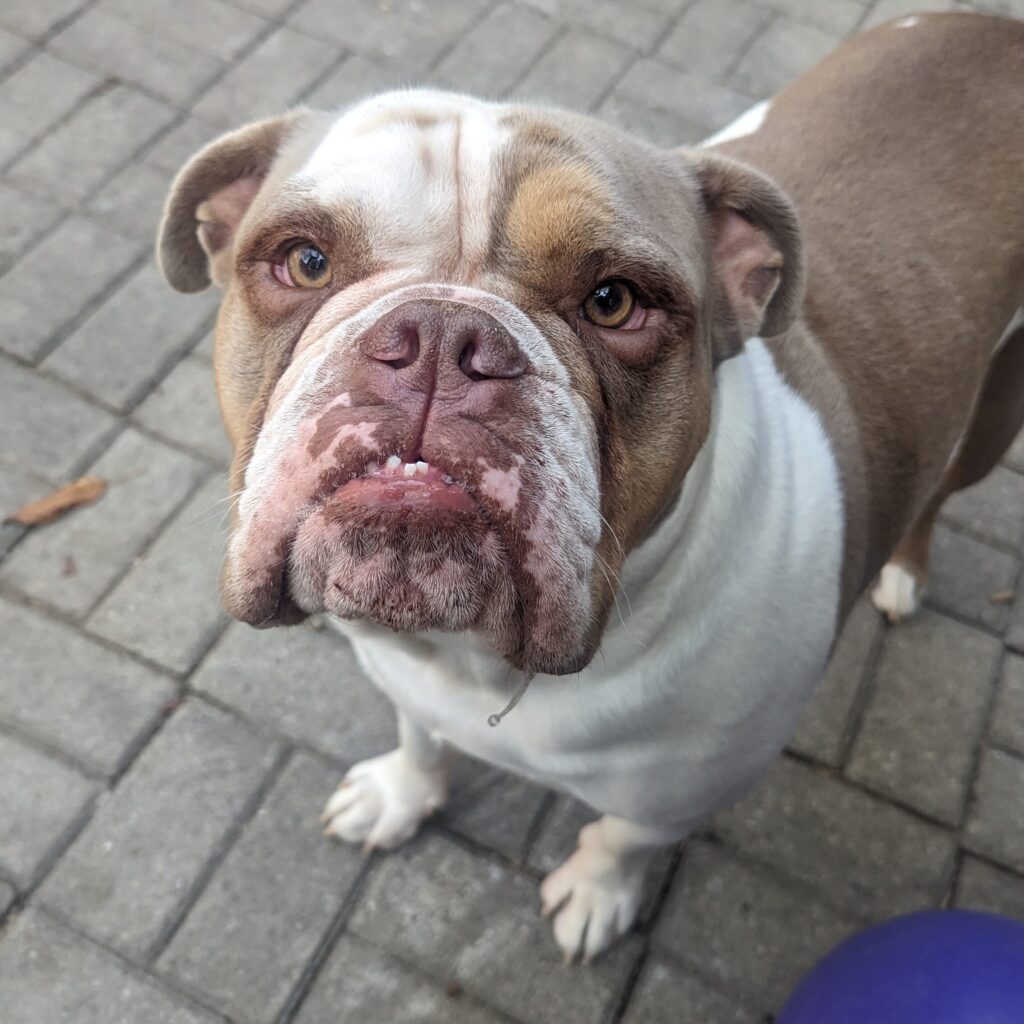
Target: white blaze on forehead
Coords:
[[420, 164]]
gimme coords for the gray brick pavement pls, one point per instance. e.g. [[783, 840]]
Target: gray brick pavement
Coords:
[[162, 772]]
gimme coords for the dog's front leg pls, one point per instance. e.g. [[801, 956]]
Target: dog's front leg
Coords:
[[381, 801], [595, 895]]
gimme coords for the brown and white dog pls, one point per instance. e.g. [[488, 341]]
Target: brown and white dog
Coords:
[[542, 411]]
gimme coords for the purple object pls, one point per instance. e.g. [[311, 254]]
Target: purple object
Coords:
[[936, 967]]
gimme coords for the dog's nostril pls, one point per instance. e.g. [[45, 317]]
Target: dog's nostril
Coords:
[[406, 351], [466, 363]]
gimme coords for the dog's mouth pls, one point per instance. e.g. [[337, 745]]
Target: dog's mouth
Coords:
[[416, 486]]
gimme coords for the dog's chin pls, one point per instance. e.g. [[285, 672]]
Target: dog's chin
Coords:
[[409, 553]]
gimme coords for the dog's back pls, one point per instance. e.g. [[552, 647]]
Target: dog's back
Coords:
[[913, 225]]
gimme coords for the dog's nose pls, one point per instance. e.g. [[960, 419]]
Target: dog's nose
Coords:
[[457, 342]]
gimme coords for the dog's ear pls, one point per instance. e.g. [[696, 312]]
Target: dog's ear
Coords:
[[755, 251], [211, 195]]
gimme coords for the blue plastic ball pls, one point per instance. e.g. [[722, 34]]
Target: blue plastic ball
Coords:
[[936, 967]]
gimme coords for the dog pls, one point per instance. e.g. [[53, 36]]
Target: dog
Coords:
[[590, 446]]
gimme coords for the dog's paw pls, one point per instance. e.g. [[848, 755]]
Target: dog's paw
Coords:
[[381, 802], [594, 897], [897, 595]]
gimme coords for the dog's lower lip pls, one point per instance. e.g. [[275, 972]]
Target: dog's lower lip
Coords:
[[411, 485]]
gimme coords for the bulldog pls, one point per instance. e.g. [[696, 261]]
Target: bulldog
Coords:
[[589, 445]]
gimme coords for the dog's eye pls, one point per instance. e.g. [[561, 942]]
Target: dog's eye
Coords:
[[611, 304], [305, 267]]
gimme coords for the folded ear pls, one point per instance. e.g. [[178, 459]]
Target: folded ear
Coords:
[[211, 195], [755, 251]]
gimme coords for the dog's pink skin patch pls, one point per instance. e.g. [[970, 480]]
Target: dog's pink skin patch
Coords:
[[501, 485]]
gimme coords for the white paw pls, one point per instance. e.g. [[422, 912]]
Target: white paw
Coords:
[[595, 897], [897, 593], [381, 802]]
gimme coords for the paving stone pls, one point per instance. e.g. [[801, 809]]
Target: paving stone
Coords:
[[54, 976], [72, 694], [984, 887], [115, 47], [823, 728], [24, 220], [8, 895], [219, 29], [1014, 457], [125, 877], [127, 343], [933, 687], [575, 72], [556, 838], [272, 9], [886, 10], [786, 49], [34, 18], [741, 927], [12, 48], [245, 943], [638, 30], [1015, 627], [358, 980], [993, 508], [863, 855], [650, 123], [204, 350], [183, 407], [995, 826], [132, 202], [94, 142], [45, 429], [667, 994], [172, 151], [303, 683], [355, 78], [497, 51], [711, 35], [32, 310], [404, 32], [40, 799], [267, 80], [965, 574], [694, 107], [36, 96], [492, 807], [837, 17], [17, 487], [1007, 725], [148, 481], [489, 938], [184, 562]]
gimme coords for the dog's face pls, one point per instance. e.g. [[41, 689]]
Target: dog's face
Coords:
[[465, 354]]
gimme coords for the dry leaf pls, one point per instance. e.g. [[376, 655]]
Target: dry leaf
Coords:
[[1001, 597], [83, 491]]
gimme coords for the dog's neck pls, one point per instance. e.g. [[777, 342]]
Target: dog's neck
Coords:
[[758, 496]]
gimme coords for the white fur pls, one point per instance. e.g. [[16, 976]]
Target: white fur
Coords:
[[907, 22], [728, 613], [896, 595], [746, 124]]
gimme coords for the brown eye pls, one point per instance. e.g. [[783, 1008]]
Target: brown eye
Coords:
[[610, 304], [308, 266]]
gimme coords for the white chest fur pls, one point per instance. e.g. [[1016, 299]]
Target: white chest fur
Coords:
[[725, 621]]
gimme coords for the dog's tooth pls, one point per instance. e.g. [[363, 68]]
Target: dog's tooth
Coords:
[[409, 469], [372, 467], [422, 467], [393, 462]]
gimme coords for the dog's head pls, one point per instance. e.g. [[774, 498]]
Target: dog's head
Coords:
[[465, 355]]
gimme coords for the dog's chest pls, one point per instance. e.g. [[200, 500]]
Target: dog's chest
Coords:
[[723, 626]]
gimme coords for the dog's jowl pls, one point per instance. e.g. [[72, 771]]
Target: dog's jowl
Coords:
[[606, 436]]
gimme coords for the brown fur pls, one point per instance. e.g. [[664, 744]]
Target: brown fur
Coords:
[[912, 215]]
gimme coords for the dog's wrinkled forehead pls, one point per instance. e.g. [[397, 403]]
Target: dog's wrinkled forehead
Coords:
[[448, 181]]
